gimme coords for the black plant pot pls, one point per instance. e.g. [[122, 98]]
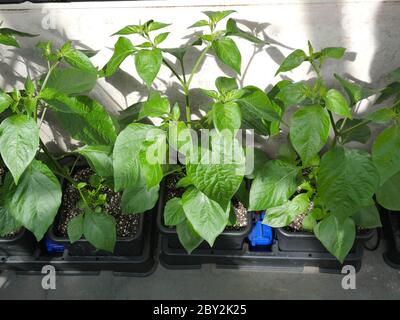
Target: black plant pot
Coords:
[[308, 242], [22, 243], [124, 246], [227, 240], [391, 228]]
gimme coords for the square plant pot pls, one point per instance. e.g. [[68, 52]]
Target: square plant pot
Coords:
[[230, 239], [22, 243], [391, 228], [301, 241]]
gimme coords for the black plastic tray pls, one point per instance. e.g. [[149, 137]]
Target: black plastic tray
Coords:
[[21, 244], [228, 239], [308, 242], [391, 228], [324, 262], [127, 246], [140, 265]]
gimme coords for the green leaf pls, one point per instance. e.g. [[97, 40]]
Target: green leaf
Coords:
[[155, 106], [29, 87], [386, 153], [387, 194], [309, 131], [219, 172], [126, 154], [395, 75], [216, 16], [333, 52], [72, 81], [200, 23], [225, 84], [347, 180], [19, 142], [179, 137], [79, 60], [227, 51], [131, 29], [360, 134], [355, 92], [391, 90], [138, 198], [122, 49], [206, 216], [75, 228], [12, 32], [150, 162], [5, 101], [8, 41], [100, 230], [188, 237], [283, 215], [233, 30], [381, 116], [226, 116], [36, 199], [148, 64], [293, 93], [336, 103], [154, 25], [337, 237], [367, 218], [173, 212], [273, 185], [99, 159], [292, 61], [255, 104], [8, 223], [161, 37], [85, 119]]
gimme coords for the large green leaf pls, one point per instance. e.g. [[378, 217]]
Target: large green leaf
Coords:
[[5, 101], [226, 116], [355, 92], [72, 81], [367, 218], [386, 153], [387, 194], [216, 16], [347, 180], [206, 216], [139, 198], [273, 185], [293, 93], [283, 215], [126, 154], [83, 118], [188, 237], [219, 172], [292, 61], [337, 236], [255, 104], [155, 106], [19, 142], [77, 59], [309, 131], [173, 212], [99, 159], [76, 228], [336, 103], [100, 230], [225, 84], [122, 49], [333, 52], [8, 223], [227, 51], [148, 64], [381, 116], [8, 41], [36, 199]]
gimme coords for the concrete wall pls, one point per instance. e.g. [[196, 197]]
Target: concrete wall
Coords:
[[369, 29]]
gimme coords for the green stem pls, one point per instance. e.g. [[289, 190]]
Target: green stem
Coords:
[[197, 65], [46, 79], [355, 126], [183, 83], [335, 130]]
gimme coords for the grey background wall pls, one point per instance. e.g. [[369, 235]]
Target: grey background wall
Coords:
[[369, 29]]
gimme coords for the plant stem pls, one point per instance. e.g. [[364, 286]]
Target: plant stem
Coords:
[[46, 79], [335, 130], [197, 65], [42, 117], [355, 126], [183, 83]]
